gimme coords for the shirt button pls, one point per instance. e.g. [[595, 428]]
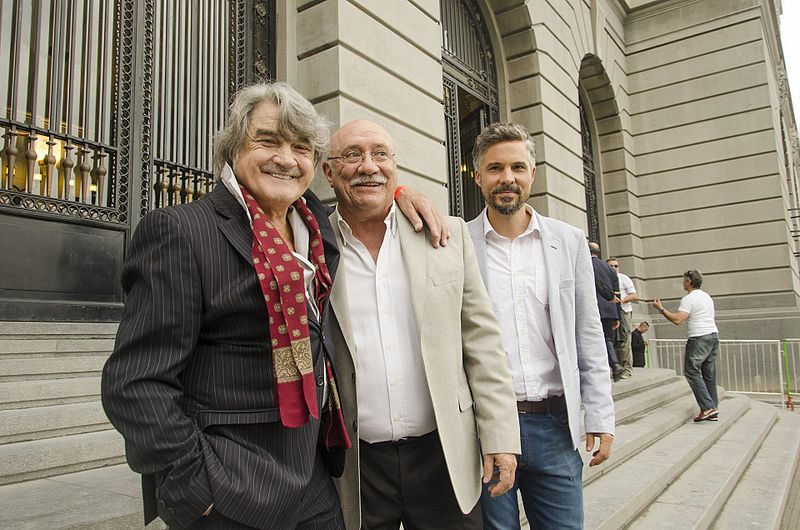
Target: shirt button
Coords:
[[320, 380], [355, 426]]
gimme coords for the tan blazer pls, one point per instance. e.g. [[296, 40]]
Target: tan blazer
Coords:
[[465, 364]]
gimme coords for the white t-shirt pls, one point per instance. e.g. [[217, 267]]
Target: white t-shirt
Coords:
[[700, 307], [626, 289]]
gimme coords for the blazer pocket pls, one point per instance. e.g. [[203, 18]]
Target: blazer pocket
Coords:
[[207, 418], [464, 397], [568, 283], [446, 276]]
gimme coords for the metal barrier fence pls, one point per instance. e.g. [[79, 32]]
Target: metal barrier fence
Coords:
[[768, 367]]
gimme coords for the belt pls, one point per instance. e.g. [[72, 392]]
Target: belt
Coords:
[[401, 441], [553, 404]]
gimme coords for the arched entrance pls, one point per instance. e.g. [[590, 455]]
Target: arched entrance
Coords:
[[470, 97]]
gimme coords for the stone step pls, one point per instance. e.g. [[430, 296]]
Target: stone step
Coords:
[[632, 405], [57, 344], [641, 379], [33, 329], [47, 367], [700, 492], [18, 425], [761, 494], [108, 498], [55, 456], [615, 498], [638, 433], [21, 394]]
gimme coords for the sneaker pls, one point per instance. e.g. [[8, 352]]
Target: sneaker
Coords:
[[707, 415]]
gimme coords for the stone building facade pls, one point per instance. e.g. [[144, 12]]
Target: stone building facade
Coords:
[[663, 127], [666, 124]]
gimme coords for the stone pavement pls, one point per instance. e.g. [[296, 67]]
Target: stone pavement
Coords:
[[749, 455]]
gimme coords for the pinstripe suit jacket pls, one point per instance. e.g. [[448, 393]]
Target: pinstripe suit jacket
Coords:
[[190, 383]]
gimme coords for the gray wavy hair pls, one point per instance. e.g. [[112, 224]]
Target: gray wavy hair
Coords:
[[502, 132], [297, 119]]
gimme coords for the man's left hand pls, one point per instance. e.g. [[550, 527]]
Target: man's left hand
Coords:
[[418, 208], [506, 463], [604, 452]]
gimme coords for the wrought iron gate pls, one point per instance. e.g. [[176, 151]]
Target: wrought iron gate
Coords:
[[470, 97], [109, 109]]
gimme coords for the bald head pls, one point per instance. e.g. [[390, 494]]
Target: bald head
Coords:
[[362, 171], [594, 249], [358, 129]]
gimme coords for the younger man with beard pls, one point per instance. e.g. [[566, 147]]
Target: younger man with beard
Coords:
[[539, 277]]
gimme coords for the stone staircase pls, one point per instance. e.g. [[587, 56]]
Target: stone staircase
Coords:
[[59, 456], [61, 462]]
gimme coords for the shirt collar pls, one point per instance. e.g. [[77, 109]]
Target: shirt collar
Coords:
[[228, 179], [533, 224], [347, 233]]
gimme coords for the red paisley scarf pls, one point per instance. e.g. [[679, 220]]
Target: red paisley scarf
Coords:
[[281, 278]]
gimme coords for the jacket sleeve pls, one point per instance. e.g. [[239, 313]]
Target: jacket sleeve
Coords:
[[593, 367], [485, 361], [141, 384]]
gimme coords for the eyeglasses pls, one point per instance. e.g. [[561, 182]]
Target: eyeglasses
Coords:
[[615, 266], [356, 157]]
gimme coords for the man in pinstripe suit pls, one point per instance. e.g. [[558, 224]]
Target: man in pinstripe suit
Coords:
[[232, 417]]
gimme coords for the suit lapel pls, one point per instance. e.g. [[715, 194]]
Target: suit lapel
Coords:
[[415, 257], [551, 244], [235, 227], [476, 232], [339, 293]]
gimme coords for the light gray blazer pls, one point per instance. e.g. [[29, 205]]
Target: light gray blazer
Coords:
[[577, 332], [462, 352]]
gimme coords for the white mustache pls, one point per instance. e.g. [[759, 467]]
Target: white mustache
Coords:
[[360, 180]]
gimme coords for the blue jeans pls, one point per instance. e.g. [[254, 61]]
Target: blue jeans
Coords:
[[700, 369], [549, 475]]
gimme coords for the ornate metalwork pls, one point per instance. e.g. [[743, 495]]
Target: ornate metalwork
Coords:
[[453, 147], [589, 175], [467, 50], [469, 77], [93, 156], [147, 107], [48, 205], [124, 101]]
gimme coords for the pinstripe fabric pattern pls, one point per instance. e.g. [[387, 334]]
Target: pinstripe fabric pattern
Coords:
[[190, 383]]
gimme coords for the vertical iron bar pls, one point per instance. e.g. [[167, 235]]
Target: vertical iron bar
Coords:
[[69, 61], [57, 66], [99, 102], [33, 64], [14, 66], [83, 93]]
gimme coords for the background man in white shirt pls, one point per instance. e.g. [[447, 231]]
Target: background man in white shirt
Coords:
[[702, 348], [420, 355], [541, 283], [627, 295]]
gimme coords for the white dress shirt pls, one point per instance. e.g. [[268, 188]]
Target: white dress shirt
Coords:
[[517, 280], [394, 400]]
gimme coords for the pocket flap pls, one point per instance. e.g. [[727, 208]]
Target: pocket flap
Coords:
[[464, 397], [446, 276], [206, 418]]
